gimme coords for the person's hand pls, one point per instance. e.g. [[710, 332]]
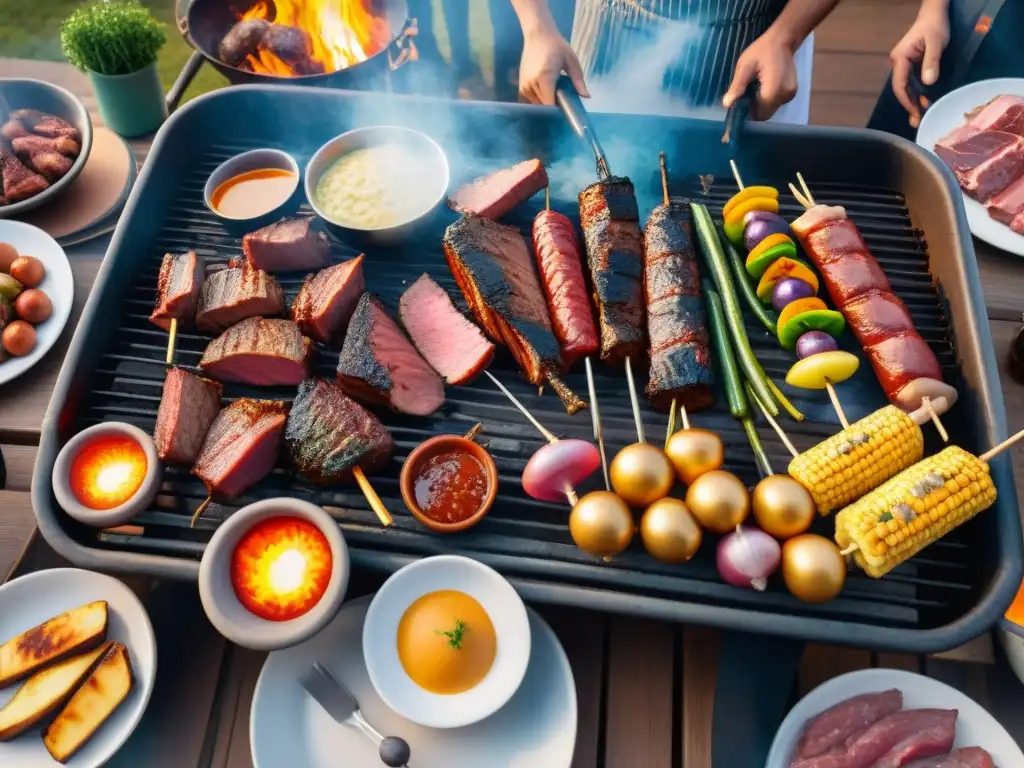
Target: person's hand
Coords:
[[924, 42], [546, 54], [768, 59]]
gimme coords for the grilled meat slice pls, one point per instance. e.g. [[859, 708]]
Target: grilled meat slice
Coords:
[[233, 294], [259, 351], [13, 129], [380, 366], [242, 40], [493, 268], [450, 343], [20, 183], [327, 300], [288, 245], [42, 124], [611, 234], [28, 144], [497, 193], [177, 289], [50, 165], [241, 447], [328, 434], [676, 323], [188, 407]]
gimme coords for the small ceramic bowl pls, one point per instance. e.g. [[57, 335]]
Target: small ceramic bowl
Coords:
[[434, 173], [445, 444], [1012, 637], [253, 160], [380, 648], [121, 514], [226, 612]]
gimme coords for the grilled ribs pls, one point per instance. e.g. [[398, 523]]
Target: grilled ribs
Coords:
[[231, 295], [177, 289], [188, 407], [327, 300], [259, 351], [290, 244]]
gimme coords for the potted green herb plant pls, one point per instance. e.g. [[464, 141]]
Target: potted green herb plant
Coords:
[[115, 42]]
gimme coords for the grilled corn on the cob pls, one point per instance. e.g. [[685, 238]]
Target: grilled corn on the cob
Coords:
[[915, 508], [847, 465]]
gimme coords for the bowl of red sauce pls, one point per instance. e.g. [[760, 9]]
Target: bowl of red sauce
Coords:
[[274, 574], [449, 483]]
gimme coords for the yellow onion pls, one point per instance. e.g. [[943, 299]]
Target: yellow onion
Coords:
[[694, 452], [641, 474], [813, 568], [782, 507], [601, 524], [669, 531], [719, 501]]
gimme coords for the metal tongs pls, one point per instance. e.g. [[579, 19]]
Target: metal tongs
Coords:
[[568, 98], [737, 116]]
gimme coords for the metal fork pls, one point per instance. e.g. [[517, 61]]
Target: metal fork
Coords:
[[331, 694]]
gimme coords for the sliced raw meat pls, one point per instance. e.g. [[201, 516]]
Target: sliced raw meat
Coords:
[[1009, 203], [177, 289], [847, 718], [1017, 225], [380, 366], [259, 351], [451, 344], [327, 300], [494, 195], [233, 294], [986, 163], [1003, 113], [328, 434], [241, 447], [188, 407], [20, 183], [968, 757], [290, 244]]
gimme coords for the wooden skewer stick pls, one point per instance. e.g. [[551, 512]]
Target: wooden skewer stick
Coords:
[[683, 415], [927, 402], [836, 404], [804, 187], [199, 511], [774, 424], [371, 497], [799, 197], [635, 401], [595, 417], [547, 198], [671, 428], [1002, 446], [170, 341], [664, 178], [522, 409], [736, 173]]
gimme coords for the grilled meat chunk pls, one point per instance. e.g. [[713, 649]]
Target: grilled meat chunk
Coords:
[[44, 155], [676, 323], [177, 289], [327, 434], [242, 40], [327, 300], [233, 294], [493, 268], [188, 407], [42, 124], [611, 234], [259, 351], [28, 144], [20, 183], [241, 447], [450, 343], [380, 366], [497, 193], [13, 129], [290, 244]]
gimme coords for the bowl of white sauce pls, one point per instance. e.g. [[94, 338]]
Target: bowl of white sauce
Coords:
[[378, 182]]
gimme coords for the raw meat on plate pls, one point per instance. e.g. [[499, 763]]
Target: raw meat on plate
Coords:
[[847, 718]]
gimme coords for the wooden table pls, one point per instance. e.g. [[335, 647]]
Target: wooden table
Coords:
[[647, 690]]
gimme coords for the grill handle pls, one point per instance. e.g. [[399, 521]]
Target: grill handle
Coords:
[[568, 98]]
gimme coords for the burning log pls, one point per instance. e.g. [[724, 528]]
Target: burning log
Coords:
[[242, 41]]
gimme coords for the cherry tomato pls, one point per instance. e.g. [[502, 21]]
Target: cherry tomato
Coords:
[[33, 306], [28, 270], [8, 253], [19, 338]]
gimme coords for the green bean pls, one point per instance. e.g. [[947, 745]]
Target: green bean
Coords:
[[738, 405], [768, 318]]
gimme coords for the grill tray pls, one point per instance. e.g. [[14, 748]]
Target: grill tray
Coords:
[[114, 369]]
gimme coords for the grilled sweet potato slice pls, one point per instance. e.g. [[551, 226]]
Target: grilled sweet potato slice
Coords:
[[80, 629], [45, 692], [90, 706]]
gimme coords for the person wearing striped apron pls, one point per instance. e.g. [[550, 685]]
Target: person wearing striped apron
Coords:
[[675, 56]]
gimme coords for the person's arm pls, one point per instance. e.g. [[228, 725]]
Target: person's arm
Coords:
[[799, 18], [924, 42], [546, 54]]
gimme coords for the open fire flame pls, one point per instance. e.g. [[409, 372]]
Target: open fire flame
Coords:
[[339, 33]]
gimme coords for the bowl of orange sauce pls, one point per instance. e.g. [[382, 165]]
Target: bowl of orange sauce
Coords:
[[107, 474], [446, 641], [274, 574], [253, 189], [1011, 633]]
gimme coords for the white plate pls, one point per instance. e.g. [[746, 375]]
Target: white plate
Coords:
[[58, 284], [32, 599], [288, 729], [974, 726], [946, 114]]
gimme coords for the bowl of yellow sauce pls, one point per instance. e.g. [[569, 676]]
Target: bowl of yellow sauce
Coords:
[[446, 642], [378, 182]]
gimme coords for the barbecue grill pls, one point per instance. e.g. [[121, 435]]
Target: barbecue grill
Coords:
[[902, 200]]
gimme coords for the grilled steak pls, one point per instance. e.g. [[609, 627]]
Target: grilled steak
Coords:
[[241, 447], [493, 268], [30, 143], [328, 434], [494, 195], [327, 300], [676, 324], [259, 351], [611, 234], [20, 183], [233, 294], [177, 289], [380, 366], [450, 343], [188, 407], [290, 244], [46, 125]]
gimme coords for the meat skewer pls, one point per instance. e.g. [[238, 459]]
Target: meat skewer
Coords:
[[177, 293]]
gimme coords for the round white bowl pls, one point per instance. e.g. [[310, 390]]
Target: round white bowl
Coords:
[[222, 606], [121, 514], [380, 648], [428, 150]]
